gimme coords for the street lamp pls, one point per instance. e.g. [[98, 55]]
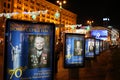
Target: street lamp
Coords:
[[60, 2], [89, 22]]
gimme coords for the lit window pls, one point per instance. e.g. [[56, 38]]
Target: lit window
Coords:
[[4, 4], [4, 11], [8, 5]]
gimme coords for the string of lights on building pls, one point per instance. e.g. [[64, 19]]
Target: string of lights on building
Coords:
[[35, 13]]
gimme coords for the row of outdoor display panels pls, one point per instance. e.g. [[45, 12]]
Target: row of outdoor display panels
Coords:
[[29, 50], [78, 48]]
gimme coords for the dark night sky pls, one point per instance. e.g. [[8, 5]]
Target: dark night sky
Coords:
[[94, 10]]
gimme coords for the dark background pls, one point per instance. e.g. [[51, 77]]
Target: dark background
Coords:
[[94, 10]]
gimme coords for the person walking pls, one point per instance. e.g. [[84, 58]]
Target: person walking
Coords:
[[58, 50]]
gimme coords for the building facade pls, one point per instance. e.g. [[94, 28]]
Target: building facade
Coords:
[[20, 6]]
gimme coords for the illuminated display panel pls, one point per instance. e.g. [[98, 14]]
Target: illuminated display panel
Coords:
[[104, 45], [90, 48], [101, 45], [99, 34], [107, 45], [29, 50], [97, 47], [74, 50]]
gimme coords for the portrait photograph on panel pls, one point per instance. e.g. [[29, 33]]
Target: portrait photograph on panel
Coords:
[[39, 51], [74, 50], [77, 48], [29, 50]]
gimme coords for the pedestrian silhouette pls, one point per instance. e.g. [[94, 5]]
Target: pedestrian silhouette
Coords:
[[58, 50]]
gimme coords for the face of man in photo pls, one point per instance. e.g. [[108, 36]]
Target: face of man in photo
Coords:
[[39, 43], [78, 44]]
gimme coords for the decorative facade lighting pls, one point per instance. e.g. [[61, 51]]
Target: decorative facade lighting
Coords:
[[35, 13]]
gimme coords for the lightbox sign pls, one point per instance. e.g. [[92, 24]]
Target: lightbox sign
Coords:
[[101, 45], [104, 45], [89, 48], [74, 50], [97, 46], [29, 50], [106, 19], [99, 34]]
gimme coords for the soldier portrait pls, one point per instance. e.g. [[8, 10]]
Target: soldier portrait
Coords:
[[91, 46], [38, 54], [77, 47]]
